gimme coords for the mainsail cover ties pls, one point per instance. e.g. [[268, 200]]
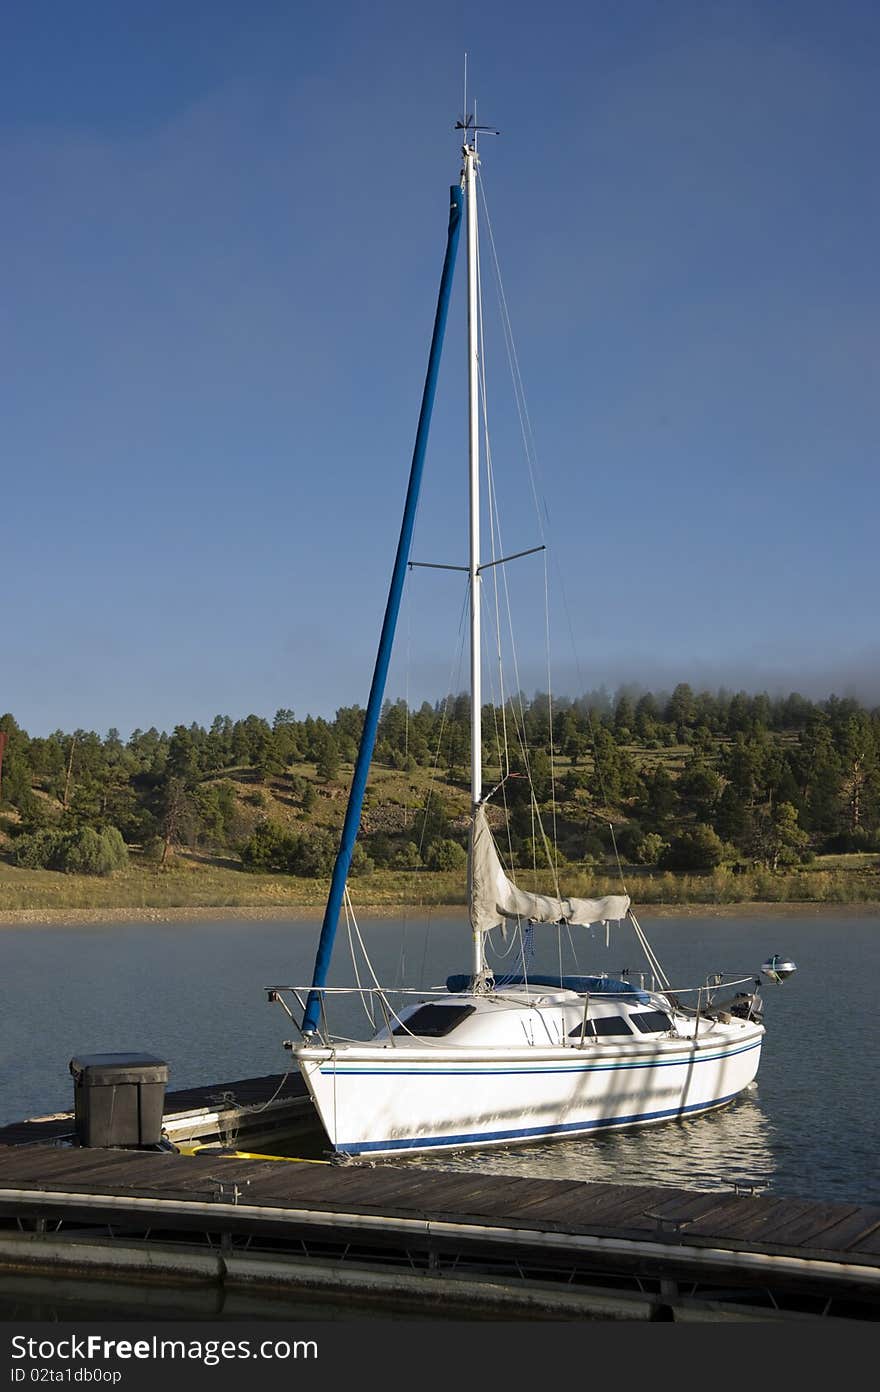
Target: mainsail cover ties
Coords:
[[493, 897]]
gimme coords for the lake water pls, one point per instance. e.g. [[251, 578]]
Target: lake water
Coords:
[[193, 993]]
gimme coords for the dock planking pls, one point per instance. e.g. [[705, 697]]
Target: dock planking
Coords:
[[685, 1208], [541, 1243], [869, 1245], [850, 1228], [836, 1232], [546, 1197]]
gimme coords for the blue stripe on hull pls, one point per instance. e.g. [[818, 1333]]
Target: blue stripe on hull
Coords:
[[530, 1132], [463, 1071]]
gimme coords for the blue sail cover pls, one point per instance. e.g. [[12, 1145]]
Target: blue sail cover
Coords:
[[592, 985], [392, 609]]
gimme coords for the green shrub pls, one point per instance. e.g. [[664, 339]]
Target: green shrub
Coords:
[[446, 854], [361, 862], [315, 854], [650, 849], [81, 852], [269, 849], [90, 852], [37, 849], [272, 850], [699, 848], [408, 858]]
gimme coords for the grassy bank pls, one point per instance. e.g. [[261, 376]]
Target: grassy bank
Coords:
[[199, 884], [194, 884]]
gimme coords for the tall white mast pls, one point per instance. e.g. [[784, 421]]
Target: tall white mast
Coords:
[[474, 455], [470, 183], [470, 155]]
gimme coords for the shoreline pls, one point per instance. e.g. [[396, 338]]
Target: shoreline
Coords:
[[20, 918]]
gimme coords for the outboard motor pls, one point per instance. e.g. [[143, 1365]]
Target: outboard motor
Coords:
[[778, 968]]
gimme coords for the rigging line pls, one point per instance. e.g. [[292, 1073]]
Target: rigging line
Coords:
[[531, 458], [518, 937], [500, 747], [503, 953], [501, 786], [617, 858], [254, 1111], [406, 600], [534, 846], [530, 449], [526, 430], [494, 504], [495, 522], [548, 851], [550, 697], [380, 990], [572, 946], [501, 741], [597, 763], [520, 727], [349, 915], [464, 110], [522, 734], [408, 664], [454, 668], [499, 750], [525, 939], [520, 722], [496, 548], [504, 801], [653, 960]]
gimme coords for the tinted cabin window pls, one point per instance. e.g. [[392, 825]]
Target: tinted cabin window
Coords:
[[604, 1025], [433, 1021], [651, 1022]]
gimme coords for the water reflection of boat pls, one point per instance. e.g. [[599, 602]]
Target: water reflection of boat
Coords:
[[718, 1150]]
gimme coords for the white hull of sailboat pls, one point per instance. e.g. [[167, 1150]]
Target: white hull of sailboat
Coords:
[[384, 1101]]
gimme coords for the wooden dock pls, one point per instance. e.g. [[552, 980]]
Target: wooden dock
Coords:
[[254, 1113], [411, 1238]]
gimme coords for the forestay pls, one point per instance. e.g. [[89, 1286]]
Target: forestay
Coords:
[[494, 898]]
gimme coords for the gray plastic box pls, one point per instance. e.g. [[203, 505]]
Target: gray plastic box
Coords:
[[119, 1099]]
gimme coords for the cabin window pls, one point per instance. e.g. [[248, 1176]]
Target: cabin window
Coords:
[[602, 1025], [433, 1021], [652, 1022]]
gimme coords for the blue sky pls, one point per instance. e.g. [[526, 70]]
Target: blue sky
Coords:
[[221, 243]]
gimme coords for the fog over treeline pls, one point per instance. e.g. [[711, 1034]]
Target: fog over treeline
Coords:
[[856, 682]]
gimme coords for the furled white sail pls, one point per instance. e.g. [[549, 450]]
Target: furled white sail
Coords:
[[493, 898]]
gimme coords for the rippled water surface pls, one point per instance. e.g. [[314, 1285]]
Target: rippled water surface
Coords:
[[193, 994]]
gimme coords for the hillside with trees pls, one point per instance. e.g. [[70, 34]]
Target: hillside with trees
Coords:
[[665, 788]]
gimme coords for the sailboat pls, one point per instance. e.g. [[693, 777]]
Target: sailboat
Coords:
[[494, 1060]]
